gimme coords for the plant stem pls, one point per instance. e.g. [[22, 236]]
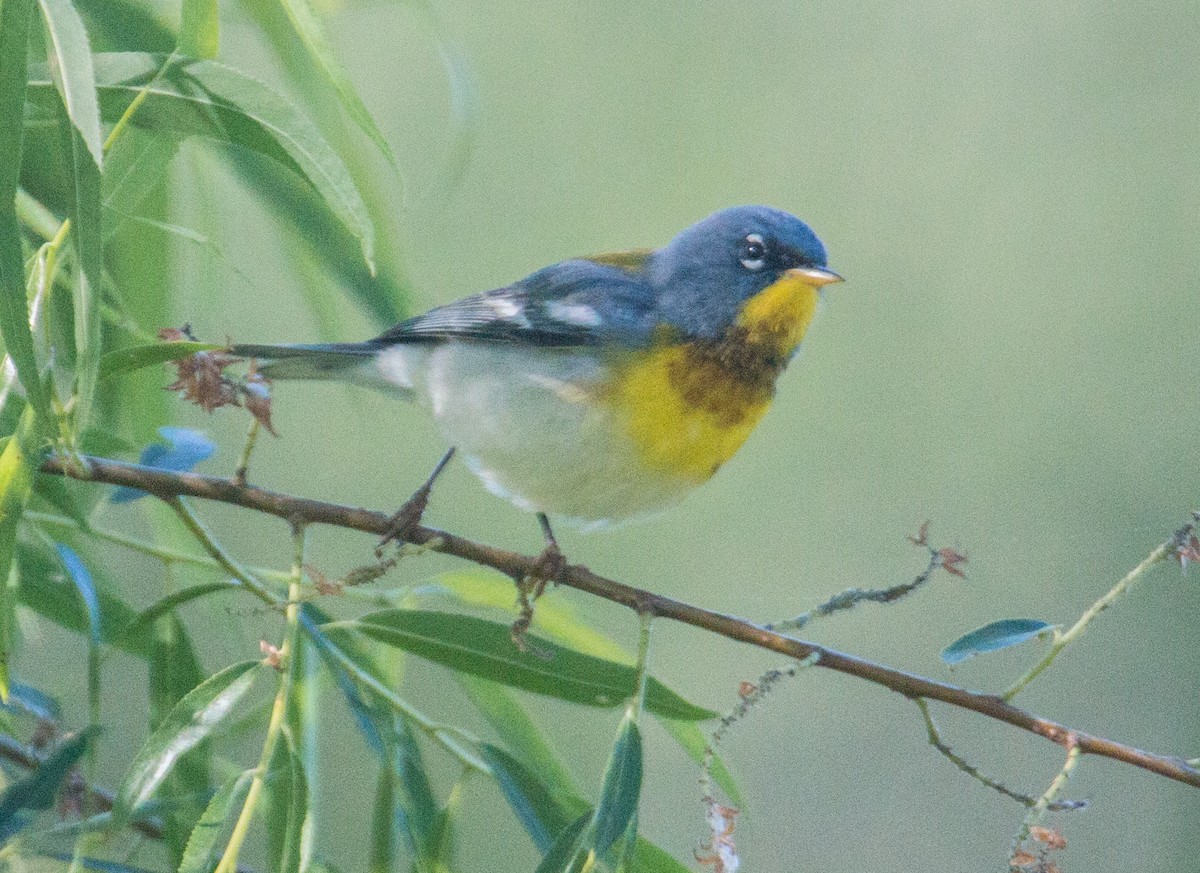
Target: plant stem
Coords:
[[243, 465], [1061, 641], [438, 732], [228, 862], [222, 557], [144, 547]]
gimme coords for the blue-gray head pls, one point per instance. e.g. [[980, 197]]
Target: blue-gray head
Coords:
[[709, 270]]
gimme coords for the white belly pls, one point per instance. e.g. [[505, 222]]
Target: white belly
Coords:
[[528, 424]]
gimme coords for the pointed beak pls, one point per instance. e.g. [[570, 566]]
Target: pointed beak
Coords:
[[815, 276]]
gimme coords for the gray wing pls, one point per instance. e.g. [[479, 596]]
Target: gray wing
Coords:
[[573, 303]]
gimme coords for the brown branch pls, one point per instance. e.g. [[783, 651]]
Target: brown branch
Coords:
[[166, 485]]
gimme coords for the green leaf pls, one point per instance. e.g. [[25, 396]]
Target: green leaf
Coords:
[[444, 842], [209, 99], [383, 295], [44, 590], [213, 826], [312, 33], [16, 483], [82, 579], [75, 78], [555, 616], [621, 788], [15, 18], [37, 790], [127, 360], [518, 732], [381, 857], [649, 858], [87, 593], [147, 617], [287, 809], [993, 637], [174, 671], [418, 809], [695, 742], [87, 233], [563, 856], [136, 165], [540, 811], [198, 29], [485, 648], [192, 720]]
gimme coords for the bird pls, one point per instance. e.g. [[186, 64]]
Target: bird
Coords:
[[605, 388]]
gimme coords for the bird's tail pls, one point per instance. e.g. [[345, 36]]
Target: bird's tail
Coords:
[[317, 361]]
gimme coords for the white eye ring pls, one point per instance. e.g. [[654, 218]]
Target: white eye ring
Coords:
[[755, 252]]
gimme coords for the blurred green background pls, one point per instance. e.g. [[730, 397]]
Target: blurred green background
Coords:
[[1012, 194]]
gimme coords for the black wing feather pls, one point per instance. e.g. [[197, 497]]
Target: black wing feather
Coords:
[[574, 303]]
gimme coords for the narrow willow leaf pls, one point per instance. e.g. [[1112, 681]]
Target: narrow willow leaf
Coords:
[[75, 78], [59, 493], [286, 815], [37, 703], [144, 622], [995, 636], [383, 295], [82, 579], [621, 788], [695, 742], [37, 790], [16, 483], [649, 858], [198, 29], [381, 856], [96, 864], [444, 843], [485, 648], [87, 593], [555, 616], [136, 164], [128, 360], [175, 670], [15, 18], [213, 827], [311, 31], [43, 589], [88, 235], [542, 812], [193, 720], [517, 730], [209, 99], [563, 856], [417, 807]]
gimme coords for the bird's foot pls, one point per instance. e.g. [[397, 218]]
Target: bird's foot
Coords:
[[548, 567], [408, 516]]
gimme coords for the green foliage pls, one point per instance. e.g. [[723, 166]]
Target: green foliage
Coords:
[[993, 637], [485, 648], [93, 134], [111, 122]]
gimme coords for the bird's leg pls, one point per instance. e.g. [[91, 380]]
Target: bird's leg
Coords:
[[549, 566], [551, 563], [409, 515]]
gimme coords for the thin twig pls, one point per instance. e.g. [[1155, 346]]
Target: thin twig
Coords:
[[935, 740], [168, 485], [851, 597], [1061, 641]]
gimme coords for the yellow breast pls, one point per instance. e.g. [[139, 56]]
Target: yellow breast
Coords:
[[690, 406]]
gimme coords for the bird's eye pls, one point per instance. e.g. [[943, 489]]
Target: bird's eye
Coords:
[[753, 255]]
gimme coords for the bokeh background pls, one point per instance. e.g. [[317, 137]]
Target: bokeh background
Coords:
[[1012, 193]]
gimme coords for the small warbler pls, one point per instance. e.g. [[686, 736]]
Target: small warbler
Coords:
[[602, 388]]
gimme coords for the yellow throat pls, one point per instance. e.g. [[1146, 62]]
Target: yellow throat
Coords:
[[690, 406]]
